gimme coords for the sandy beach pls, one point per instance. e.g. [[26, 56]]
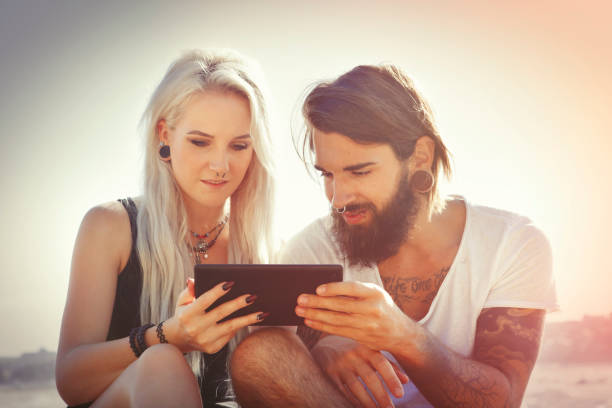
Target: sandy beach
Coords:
[[551, 385]]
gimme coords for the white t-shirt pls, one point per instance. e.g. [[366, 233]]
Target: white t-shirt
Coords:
[[503, 261]]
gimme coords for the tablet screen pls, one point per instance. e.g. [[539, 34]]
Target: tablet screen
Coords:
[[276, 286]]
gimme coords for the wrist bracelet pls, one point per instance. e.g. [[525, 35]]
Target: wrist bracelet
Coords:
[[160, 333], [133, 341], [142, 344]]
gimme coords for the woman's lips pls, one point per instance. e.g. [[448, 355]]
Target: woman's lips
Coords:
[[214, 183], [354, 217]]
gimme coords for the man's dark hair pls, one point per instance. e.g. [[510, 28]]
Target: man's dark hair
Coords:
[[374, 104]]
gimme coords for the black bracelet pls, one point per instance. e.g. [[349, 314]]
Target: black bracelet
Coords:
[[142, 344], [133, 341], [160, 333]]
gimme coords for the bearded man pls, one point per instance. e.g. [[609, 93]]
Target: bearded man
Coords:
[[442, 302]]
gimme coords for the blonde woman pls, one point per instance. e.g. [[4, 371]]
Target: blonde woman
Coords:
[[133, 334]]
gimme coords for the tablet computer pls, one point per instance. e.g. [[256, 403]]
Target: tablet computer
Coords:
[[277, 287]]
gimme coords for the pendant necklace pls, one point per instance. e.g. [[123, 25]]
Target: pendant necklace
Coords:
[[202, 246]]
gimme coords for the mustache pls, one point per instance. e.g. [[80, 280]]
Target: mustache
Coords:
[[360, 206]]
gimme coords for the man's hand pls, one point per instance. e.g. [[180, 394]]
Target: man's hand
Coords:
[[346, 361], [361, 311]]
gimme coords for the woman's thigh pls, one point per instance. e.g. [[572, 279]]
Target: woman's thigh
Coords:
[[160, 377]]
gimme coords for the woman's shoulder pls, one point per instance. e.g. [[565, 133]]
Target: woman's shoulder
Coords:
[[107, 225], [108, 215]]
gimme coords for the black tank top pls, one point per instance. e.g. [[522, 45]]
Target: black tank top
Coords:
[[215, 384]]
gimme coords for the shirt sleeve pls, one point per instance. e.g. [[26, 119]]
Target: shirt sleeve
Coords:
[[524, 273]]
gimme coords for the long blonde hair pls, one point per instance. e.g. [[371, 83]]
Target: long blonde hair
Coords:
[[162, 221]]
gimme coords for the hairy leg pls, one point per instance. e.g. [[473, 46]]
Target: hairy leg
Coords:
[[272, 368], [161, 377]]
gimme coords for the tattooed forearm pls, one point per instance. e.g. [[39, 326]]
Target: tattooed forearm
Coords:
[[505, 349], [448, 379], [472, 384]]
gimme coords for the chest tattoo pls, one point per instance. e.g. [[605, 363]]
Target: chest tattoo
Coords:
[[406, 289]]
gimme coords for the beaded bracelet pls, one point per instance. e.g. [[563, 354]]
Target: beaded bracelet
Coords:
[[133, 341], [160, 333], [142, 344]]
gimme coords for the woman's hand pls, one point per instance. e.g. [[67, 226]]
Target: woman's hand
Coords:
[[192, 328]]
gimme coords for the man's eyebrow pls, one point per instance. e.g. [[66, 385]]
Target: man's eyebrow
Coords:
[[200, 133], [353, 167], [358, 166]]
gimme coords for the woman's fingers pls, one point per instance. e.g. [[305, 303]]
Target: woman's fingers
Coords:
[[229, 307], [216, 336], [209, 297], [237, 323], [187, 295]]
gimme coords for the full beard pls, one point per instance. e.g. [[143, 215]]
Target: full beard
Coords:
[[387, 231]]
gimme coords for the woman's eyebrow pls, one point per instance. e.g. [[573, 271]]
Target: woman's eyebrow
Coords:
[[200, 133]]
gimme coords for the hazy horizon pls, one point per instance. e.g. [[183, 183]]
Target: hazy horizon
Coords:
[[521, 92]]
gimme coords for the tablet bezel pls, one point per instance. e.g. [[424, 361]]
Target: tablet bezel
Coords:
[[277, 287]]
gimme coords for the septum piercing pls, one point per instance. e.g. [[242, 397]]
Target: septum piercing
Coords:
[[340, 210]]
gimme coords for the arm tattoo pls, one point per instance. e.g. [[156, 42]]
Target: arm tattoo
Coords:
[[505, 349], [309, 336], [506, 339], [509, 339], [469, 385]]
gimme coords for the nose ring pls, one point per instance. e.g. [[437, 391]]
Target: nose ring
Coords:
[[340, 210]]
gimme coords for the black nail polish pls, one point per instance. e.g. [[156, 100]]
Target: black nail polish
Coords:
[[250, 299], [262, 316], [227, 285]]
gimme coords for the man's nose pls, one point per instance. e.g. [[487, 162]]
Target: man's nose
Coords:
[[341, 195]]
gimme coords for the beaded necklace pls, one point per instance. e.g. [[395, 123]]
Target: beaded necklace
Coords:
[[202, 246]]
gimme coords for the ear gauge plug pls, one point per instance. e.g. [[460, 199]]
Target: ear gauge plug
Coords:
[[164, 150], [422, 181]]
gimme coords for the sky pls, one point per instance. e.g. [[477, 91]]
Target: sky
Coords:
[[521, 92]]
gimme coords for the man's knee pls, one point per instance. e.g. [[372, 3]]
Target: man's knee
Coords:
[[265, 349], [271, 368]]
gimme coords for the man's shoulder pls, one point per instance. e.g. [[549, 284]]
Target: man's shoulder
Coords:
[[313, 244], [504, 227], [490, 218], [485, 213]]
